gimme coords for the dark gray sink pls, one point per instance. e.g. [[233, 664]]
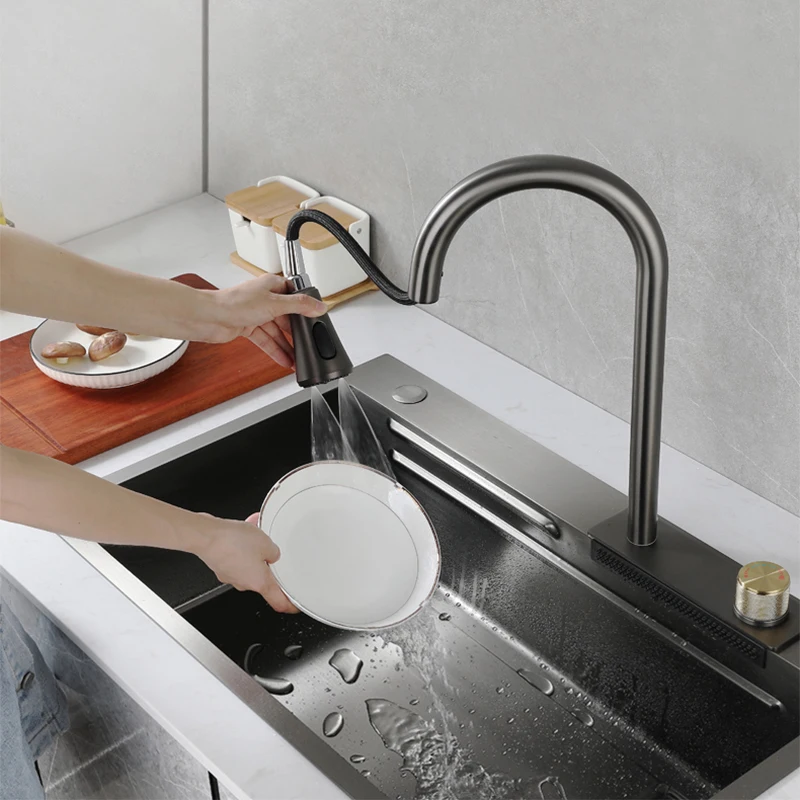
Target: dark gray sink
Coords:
[[530, 675]]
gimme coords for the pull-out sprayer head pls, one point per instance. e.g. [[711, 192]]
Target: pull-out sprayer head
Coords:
[[318, 352]]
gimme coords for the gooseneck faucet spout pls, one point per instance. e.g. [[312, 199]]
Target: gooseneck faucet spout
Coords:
[[641, 225], [320, 356]]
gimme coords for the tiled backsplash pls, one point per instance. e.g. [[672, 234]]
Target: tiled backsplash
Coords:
[[388, 104]]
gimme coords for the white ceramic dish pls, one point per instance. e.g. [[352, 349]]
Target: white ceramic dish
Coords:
[[357, 550], [142, 357]]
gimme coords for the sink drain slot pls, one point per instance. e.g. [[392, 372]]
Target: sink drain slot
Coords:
[[533, 515]]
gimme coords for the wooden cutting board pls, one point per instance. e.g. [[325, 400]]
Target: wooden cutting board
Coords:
[[71, 424]]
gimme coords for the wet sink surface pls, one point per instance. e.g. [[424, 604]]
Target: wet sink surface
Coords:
[[517, 681], [435, 714]]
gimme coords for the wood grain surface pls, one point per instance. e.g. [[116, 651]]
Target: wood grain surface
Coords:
[[71, 424]]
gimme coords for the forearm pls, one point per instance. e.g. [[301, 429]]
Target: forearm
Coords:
[[44, 493], [45, 280]]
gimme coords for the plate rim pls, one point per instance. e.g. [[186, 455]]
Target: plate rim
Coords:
[[398, 485], [59, 368]]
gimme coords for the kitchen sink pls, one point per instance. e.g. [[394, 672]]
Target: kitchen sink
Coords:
[[550, 663]]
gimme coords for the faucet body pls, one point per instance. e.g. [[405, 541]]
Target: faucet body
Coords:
[[317, 364], [641, 225]]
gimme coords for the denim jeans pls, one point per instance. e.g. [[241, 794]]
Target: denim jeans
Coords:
[[33, 710]]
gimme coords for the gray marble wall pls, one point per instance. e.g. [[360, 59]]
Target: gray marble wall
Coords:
[[387, 104]]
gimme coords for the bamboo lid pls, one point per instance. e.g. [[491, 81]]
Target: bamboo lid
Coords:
[[313, 236], [262, 204]]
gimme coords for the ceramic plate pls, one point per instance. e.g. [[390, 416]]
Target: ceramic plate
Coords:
[[357, 550], [142, 357]]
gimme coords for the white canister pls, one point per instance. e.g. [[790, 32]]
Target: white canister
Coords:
[[330, 267], [252, 211]]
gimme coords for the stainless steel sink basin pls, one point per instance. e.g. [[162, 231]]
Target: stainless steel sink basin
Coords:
[[540, 669]]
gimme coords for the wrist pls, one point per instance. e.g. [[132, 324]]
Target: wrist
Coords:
[[211, 316], [221, 318], [199, 534]]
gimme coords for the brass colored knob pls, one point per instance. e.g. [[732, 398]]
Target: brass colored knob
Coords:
[[762, 594]]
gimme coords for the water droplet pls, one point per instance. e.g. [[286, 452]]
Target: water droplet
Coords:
[[444, 616], [358, 759], [293, 651], [414, 701], [333, 724], [510, 720], [472, 711], [252, 651], [585, 717], [366, 773], [500, 690], [275, 685], [537, 680], [347, 664]]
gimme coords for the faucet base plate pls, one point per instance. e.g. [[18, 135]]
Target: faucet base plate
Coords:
[[688, 578]]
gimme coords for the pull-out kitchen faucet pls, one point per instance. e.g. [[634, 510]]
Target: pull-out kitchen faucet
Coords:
[[318, 363]]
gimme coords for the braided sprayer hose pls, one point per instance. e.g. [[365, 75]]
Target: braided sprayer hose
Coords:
[[352, 247]]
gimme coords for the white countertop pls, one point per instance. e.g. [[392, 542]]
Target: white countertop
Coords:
[[194, 236]]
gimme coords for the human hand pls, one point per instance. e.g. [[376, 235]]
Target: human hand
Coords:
[[240, 553], [258, 309]]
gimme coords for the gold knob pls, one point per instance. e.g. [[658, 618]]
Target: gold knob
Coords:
[[762, 594]]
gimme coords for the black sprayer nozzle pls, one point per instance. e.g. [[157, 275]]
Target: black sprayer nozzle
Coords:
[[318, 352]]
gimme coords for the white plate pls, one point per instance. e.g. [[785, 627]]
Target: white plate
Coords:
[[142, 357], [357, 550]]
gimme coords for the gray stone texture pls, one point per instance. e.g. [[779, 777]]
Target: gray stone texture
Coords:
[[388, 104]]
